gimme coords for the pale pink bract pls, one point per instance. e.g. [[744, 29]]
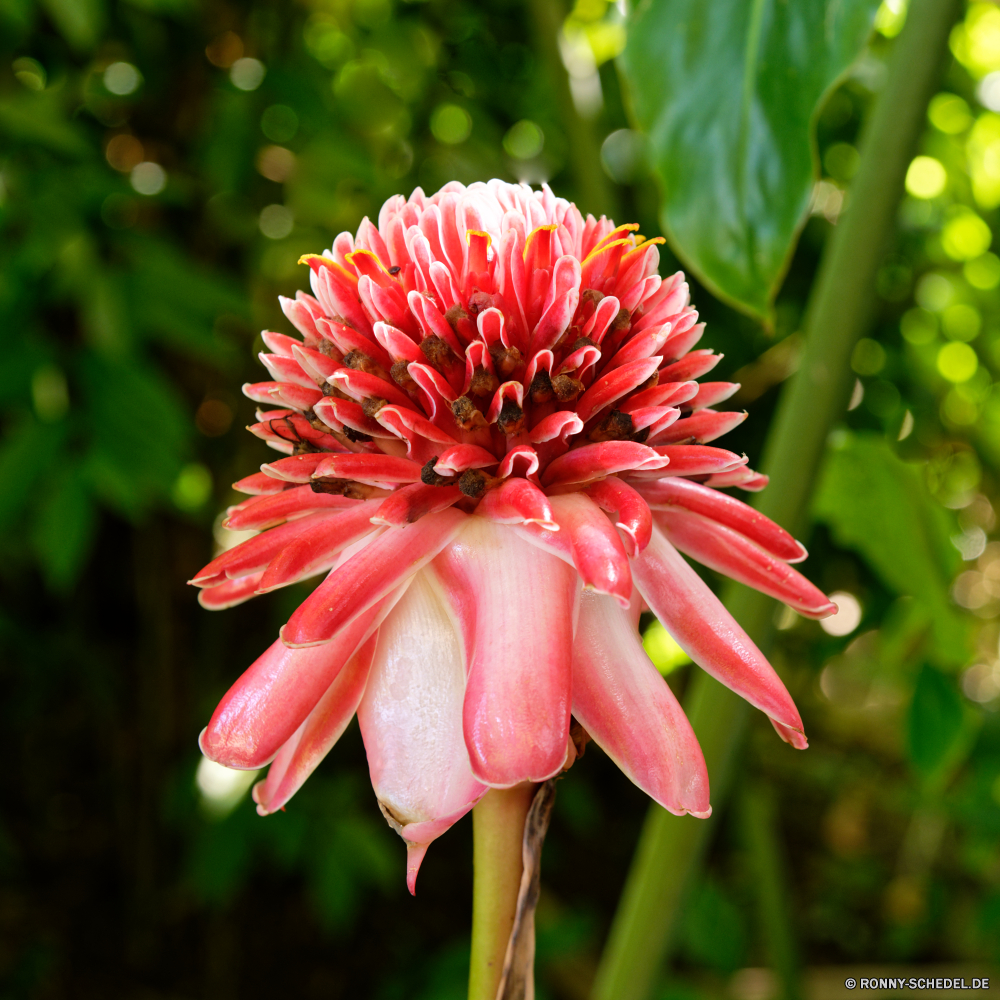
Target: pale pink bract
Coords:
[[496, 448]]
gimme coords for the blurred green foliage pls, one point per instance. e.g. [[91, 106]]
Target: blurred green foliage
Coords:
[[163, 163]]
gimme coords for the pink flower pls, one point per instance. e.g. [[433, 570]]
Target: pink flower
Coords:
[[496, 449]]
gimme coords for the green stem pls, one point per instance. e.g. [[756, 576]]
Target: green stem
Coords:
[[760, 830], [497, 841], [594, 193], [840, 308]]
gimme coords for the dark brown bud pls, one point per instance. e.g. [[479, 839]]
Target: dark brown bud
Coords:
[[590, 296], [468, 416], [621, 321], [483, 382], [400, 373], [394, 270], [511, 419], [371, 406], [540, 390], [649, 383], [616, 426], [566, 388], [431, 478], [352, 435], [474, 483], [454, 314], [581, 342], [640, 436], [360, 361], [436, 351], [328, 348], [506, 360], [343, 487]]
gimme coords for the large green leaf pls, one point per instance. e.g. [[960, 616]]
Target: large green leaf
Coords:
[[935, 720], [879, 505], [727, 91]]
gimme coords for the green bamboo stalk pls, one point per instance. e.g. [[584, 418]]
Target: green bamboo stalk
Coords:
[[497, 840], [760, 832], [840, 309]]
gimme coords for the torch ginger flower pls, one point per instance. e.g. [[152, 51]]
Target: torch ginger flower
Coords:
[[496, 449]]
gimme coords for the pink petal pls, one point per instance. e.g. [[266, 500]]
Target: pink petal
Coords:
[[411, 718], [262, 710], [614, 385], [260, 484], [594, 461], [369, 576], [410, 503], [726, 510], [706, 631], [314, 551], [373, 469], [515, 607], [710, 393], [590, 542], [517, 501], [700, 427], [692, 366], [696, 460], [728, 552], [635, 520], [255, 553], [313, 740], [264, 511], [296, 469], [229, 593], [622, 701]]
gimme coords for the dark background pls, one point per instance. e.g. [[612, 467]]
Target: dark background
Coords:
[[130, 304]]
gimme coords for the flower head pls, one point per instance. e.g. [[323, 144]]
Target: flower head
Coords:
[[496, 448]]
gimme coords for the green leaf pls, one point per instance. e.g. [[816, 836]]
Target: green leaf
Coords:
[[63, 529], [935, 720], [727, 91], [39, 119], [879, 505], [29, 449], [80, 22]]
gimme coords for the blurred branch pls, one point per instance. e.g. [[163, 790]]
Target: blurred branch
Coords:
[[595, 193], [839, 310]]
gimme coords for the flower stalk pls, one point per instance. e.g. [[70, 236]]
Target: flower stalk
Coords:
[[840, 308], [497, 844]]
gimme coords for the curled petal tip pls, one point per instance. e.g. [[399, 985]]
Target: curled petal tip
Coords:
[[414, 859], [796, 737], [300, 645], [700, 813]]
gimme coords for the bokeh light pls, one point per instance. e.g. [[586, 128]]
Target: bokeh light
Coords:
[[926, 177], [847, 617], [524, 140], [957, 362]]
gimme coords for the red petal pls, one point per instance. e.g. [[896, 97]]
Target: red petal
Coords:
[[622, 701], [726, 510], [370, 575], [728, 552], [515, 607], [706, 631]]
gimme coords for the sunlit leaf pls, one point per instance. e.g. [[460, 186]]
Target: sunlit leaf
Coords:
[[727, 92], [878, 505]]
